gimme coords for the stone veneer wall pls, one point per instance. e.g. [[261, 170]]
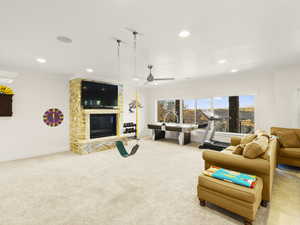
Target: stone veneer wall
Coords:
[[79, 141]]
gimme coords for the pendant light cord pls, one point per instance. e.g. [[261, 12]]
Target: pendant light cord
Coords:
[[119, 58], [134, 46]]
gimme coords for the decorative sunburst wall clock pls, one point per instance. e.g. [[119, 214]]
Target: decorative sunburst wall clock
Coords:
[[53, 117]]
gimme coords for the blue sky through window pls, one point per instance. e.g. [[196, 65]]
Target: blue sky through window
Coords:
[[247, 101], [204, 103], [221, 102], [189, 104]]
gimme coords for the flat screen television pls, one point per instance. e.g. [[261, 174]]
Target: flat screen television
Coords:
[[98, 95]]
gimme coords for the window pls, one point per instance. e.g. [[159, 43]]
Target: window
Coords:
[[203, 110], [246, 114], [234, 113], [188, 111], [166, 110], [221, 111]]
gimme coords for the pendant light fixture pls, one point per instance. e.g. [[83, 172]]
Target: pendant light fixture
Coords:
[[119, 41], [135, 34]]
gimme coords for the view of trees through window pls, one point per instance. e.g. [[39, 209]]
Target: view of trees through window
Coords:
[[203, 109], [166, 110], [246, 114], [188, 111], [236, 113], [221, 111]]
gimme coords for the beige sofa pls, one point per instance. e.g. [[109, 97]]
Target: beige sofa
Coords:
[[261, 167], [288, 156]]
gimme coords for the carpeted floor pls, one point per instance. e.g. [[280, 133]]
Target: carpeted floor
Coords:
[[157, 186]]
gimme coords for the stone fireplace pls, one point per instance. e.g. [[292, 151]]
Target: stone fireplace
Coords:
[[93, 129]]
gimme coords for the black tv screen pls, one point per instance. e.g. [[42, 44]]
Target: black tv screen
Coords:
[[98, 95]]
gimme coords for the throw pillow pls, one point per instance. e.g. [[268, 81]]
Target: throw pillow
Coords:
[[239, 149], [248, 138], [288, 139], [256, 148], [266, 155]]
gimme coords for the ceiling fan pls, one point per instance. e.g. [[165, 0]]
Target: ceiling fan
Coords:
[[151, 78]]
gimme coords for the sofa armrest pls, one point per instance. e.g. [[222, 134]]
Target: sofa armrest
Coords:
[[236, 162], [235, 140]]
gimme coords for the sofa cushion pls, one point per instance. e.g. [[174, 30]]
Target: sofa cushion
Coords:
[[274, 130], [256, 148], [231, 148], [290, 152], [233, 190], [227, 151], [248, 138], [288, 139]]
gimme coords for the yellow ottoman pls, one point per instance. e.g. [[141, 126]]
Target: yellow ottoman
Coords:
[[241, 200]]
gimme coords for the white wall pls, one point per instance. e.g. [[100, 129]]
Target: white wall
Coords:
[[276, 94], [25, 134], [286, 85]]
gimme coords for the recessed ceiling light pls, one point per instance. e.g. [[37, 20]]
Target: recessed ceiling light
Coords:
[[234, 70], [89, 70], [41, 60], [184, 34], [222, 61], [64, 39], [136, 79]]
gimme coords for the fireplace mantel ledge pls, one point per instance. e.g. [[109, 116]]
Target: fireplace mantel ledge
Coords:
[[110, 138]]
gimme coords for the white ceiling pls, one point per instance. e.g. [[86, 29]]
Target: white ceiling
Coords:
[[248, 34]]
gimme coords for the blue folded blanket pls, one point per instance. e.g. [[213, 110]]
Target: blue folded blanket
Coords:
[[231, 176]]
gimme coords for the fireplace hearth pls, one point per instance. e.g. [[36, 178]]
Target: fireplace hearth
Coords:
[[103, 125]]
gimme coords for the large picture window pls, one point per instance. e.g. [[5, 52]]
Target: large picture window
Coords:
[[235, 113]]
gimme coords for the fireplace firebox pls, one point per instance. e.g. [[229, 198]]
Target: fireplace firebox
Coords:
[[103, 125]]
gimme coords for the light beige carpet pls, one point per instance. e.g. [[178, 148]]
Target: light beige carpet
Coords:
[[157, 186]]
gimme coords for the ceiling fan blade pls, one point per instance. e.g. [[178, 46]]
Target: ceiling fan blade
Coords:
[[164, 78]]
